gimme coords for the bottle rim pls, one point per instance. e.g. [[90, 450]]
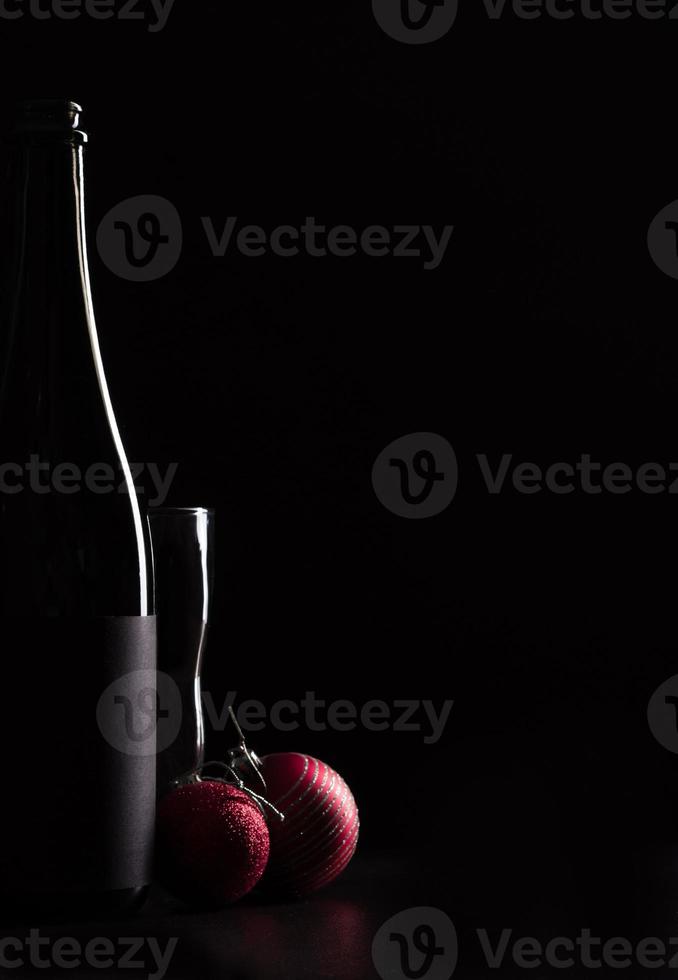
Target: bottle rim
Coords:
[[49, 118]]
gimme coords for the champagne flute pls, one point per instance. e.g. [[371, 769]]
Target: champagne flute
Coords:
[[183, 547]]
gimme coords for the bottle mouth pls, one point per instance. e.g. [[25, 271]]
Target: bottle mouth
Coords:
[[49, 118]]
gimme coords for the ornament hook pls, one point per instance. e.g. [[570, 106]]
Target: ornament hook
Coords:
[[242, 756], [235, 780]]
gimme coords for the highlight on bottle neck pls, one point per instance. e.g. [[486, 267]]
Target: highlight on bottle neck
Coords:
[[49, 119]]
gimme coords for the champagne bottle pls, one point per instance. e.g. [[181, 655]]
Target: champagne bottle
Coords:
[[76, 584]]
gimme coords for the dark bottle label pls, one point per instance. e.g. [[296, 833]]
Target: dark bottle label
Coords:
[[78, 713]]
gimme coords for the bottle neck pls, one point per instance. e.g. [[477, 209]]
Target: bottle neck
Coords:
[[51, 341], [47, 246]]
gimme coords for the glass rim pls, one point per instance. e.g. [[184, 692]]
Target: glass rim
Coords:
[[180, 511]]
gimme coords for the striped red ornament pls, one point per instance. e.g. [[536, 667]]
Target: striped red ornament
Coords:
[[319, 835]]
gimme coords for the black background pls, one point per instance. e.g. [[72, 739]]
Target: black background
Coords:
[[547, 332]]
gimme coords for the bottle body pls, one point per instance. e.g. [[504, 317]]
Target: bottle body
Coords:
[[76, 600]]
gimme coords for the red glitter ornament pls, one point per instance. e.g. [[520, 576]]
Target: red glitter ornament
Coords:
[[212, 842], [319, 835]]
